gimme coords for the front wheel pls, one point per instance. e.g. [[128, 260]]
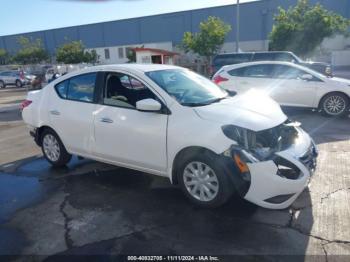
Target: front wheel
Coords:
[[203, 181], [2, 84], [335, 104], [53, 149]]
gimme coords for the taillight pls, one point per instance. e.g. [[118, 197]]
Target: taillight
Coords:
[[25, 103], [218, 79]]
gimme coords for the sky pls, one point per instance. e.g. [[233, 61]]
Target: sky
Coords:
[[20, 16]]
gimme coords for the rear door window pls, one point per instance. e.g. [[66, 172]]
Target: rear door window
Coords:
[[78, 88], [81, 88], [238, 72], [258, 71]]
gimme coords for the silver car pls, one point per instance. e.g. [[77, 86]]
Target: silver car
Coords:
[[14, 78]]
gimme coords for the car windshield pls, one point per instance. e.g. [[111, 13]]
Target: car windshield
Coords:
[[188, 88]]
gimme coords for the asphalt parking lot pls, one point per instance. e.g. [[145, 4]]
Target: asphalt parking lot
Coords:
[[90, 208]]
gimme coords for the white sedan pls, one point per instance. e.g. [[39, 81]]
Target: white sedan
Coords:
[[171, 122], [288, 84]]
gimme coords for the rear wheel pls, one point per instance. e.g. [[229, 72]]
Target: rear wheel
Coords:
[[2, 84], [203, 181], [18, 83], [53, 149], [335, 104]]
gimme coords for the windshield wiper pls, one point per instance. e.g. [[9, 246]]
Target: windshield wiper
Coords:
[[205, 103], [195, 104]]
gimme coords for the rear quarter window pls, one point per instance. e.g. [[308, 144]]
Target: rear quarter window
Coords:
[[77, 88], [81, 88], [239, 72], [61, 89]]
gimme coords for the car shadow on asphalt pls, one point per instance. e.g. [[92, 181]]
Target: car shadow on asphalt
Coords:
[[130, 212], [10, 115], [321, 128]]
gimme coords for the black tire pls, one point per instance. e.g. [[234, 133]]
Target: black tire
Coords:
[[63, 156], [225, 186], [326, 100], [18, 83], [2, 84]]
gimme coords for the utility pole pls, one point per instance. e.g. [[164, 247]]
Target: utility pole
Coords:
[[237, 26]]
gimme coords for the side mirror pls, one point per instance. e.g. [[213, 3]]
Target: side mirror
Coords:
[[307, 77], [148, 105]]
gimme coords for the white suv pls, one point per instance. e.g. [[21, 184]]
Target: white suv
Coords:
[[169, 121]]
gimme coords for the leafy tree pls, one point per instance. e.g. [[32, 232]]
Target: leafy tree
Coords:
[[31, 51], [91, 57], [208, 41], [303, 27], [131, 55], [71, 53], [4, 56], [74, 53]]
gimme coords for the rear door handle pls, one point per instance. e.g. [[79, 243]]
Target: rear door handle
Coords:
[[106, 120], [55, 112]]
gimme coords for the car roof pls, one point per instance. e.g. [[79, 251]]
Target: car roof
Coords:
[[258, 52], [136, 67], [301, 67], [226, 67], [132, 68]]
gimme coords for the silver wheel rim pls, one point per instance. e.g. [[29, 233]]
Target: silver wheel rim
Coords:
[[2, 84], [18, 83], [334, 105], [51, 147], [201, 181]]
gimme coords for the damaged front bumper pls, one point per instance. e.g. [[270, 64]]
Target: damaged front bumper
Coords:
[[276, 182]]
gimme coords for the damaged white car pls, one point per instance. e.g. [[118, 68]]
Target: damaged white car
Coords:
[[169, 121]]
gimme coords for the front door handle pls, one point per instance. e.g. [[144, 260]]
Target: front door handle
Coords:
[[106, 120], [55, 112]]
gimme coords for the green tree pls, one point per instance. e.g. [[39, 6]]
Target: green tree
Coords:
[[208, 41], [74, 53], [71, 53], [4, 56], [303, 27], [131, 55], [91, 57], [31, 51]]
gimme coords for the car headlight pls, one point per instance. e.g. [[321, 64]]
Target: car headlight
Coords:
[[235, 133], [263, 144]]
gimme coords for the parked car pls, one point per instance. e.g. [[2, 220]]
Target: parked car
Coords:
[[18, 78], [288, 84], [179, 125], [283, 56]]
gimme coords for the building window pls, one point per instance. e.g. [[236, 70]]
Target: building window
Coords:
[[146, 60], [107, 56], [121, 52]]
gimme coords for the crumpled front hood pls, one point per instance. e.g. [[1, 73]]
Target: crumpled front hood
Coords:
[[252, 110]]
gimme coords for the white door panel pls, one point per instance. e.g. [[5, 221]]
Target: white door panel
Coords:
[[73, 121], [131, 137], [294, 92]]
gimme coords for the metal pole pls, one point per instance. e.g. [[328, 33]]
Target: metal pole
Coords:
[[237, 26]]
